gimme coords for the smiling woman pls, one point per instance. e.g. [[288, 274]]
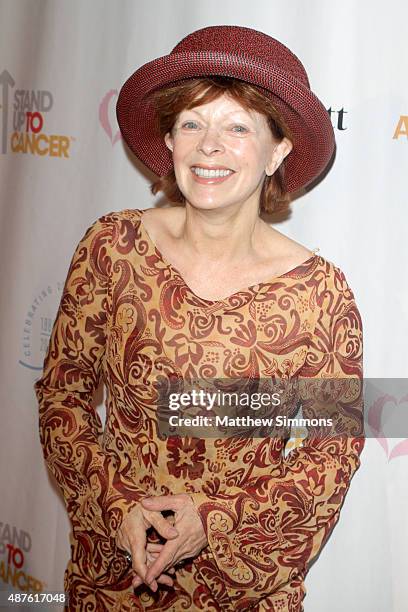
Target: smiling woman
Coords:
[[251, 105], [204, 294]]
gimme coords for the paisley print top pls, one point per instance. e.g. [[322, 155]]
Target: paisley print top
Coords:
[[126, 316]]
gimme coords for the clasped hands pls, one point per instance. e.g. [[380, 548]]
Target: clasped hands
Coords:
[[153, 562]]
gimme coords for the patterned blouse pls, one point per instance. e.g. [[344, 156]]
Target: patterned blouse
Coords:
[[126, 316]]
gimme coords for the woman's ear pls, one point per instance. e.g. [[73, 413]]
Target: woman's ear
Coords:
[[281, 150], [168, 139]]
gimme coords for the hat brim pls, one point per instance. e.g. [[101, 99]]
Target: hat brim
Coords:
[[305, 115]]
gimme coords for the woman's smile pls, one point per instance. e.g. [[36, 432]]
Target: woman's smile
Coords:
[[209, 176]]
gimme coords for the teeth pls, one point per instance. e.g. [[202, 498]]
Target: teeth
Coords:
[[211, 173]]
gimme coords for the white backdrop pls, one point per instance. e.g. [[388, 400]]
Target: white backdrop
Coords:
[[68, 59]]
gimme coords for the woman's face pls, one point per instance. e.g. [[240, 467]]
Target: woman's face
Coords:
[[221, 153]]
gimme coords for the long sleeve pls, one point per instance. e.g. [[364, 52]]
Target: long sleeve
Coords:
[[268, 530], [96, 490]]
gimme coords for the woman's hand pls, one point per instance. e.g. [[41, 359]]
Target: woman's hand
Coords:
[[153, 549], [190, 541], [131, 536]]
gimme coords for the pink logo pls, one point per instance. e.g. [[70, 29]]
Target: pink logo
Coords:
[[105, 108], [375, 421]]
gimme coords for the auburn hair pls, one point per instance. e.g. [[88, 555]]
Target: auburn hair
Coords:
[[170, 101]]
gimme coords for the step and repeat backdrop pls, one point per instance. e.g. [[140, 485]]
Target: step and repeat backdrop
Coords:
[[63, 164]]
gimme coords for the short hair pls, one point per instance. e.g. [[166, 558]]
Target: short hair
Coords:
[[170, 101]]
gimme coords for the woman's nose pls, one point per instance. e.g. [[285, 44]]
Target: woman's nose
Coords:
[[210, 141]]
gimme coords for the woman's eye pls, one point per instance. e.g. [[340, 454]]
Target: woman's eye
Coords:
[[240, 129], [190, 124]]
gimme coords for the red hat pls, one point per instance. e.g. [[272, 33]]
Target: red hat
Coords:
[[244, 54]]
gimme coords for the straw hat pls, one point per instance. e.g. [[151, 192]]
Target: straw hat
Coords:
[[245, 54]]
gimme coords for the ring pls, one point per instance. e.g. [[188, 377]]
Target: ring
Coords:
[[128, 556]]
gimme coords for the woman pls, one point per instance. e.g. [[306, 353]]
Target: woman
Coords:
[[203, 290]]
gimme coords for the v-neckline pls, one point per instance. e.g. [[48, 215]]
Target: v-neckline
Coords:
[[250, 288]]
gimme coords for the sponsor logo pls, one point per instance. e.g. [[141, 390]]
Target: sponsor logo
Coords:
[[401, 128], [23, 121], [107, 116], [14, 546], [337, 118], [386, 407], [37, 329]]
